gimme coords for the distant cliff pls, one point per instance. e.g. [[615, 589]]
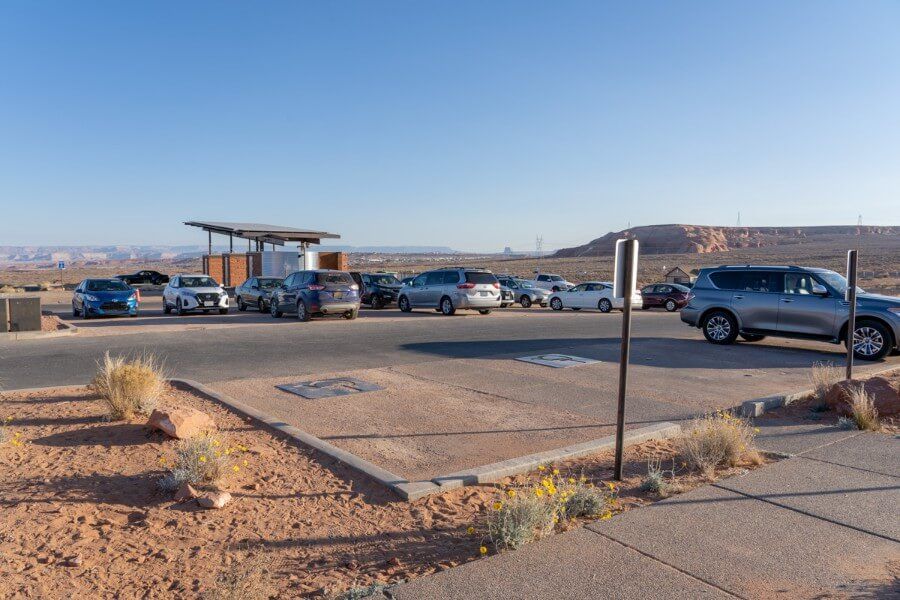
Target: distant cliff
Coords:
[[699, 239]]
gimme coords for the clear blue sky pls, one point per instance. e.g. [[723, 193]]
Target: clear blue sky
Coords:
[[470, 124]]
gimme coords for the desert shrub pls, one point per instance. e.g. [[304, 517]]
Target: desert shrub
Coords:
[[585, 501], [45, 286], [6, 435], [520, 519], [129, 386], [846, 423], [361, 593], [823, 376], [862, 410], [249, 579], [658, 480], [201, 460], [8, 289], [717, 440]]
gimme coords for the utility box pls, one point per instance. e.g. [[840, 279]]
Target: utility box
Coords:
[[20, 314]]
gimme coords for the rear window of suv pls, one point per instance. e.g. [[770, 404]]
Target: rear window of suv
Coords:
[[339, 278], [748, 281], [480, 277]]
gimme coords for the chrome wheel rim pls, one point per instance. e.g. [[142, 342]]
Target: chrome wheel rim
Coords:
[[557, 303], [605, 305], [446, 306], [670, 305], [867, 341], [718, 328], [301, 311]]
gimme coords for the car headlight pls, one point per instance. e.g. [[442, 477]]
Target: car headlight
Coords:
[[91, 298], [132, 297]]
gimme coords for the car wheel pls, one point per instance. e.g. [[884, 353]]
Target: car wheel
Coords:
[[752, 337], [556, 304], [720, 327], [871, 340], [166, 309], [525, 301], [376, 302], [85, 312], [670, 305], [134, 314], [484, 311], [554, 289], [447, 307], [224, 311], [404, 305], [302, 313], [350, 315], [604, 305], [241, 306], [273, 309], [74, 310]]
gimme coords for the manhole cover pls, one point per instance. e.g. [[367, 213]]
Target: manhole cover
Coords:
[[325, 388], [557, 361]]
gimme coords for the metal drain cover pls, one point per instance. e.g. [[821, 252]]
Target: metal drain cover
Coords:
[[326, 388], [558, 361]]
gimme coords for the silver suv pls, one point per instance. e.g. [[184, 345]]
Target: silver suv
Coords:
[[797, 302], [446, 290]]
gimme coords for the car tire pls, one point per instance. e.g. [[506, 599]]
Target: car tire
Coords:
[[604, 305], [484, 311], [376, 302], [167, 310], [260, 305], [133, 315], [403, 304], [241, 306], [75, 312], [179, 309], [351, 314], [875, 340], [525, 301], [273, 310], [447, 308], [752, 337], [302, 311], [554, 289], [224, 311], [556, 304], [671, 305], [720, 327]]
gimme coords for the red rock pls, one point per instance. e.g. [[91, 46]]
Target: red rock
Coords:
[[181, 423], [884, 391], [214, 499], [185, 492]]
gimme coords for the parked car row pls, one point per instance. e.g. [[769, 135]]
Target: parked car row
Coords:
[[726, 302]]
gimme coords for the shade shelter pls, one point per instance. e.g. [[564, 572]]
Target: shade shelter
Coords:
[[261, 234]]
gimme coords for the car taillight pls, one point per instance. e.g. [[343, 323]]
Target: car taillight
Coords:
[[465, 286], [496, 285], [316, 287]]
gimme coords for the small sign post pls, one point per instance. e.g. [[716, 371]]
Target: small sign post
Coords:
[[623, 287], [61, 265], [850, 298]]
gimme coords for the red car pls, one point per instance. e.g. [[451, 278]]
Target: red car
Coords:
[[670, 296]]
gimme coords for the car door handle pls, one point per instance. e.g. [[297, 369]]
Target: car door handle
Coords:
[[786, 300], [738, 298]]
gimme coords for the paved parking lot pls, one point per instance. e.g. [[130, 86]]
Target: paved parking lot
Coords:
[[454, 396]]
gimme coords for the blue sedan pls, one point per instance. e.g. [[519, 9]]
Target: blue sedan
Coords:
[[104, 298]]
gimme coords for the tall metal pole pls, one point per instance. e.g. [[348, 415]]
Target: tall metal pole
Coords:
[[210, 243], [850, 297], [629, 246]]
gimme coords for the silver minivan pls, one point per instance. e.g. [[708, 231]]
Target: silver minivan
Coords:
[[447, 290], [799, 302]]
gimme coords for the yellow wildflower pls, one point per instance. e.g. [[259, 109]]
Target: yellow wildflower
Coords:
[[498, 505], [511, 493], [202, 459], [571, 480], [538, 492], [542, 468], [556, 471], [483, 550], [235, 468], [470, 530]]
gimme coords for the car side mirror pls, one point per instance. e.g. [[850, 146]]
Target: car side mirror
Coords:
[[819, 290]]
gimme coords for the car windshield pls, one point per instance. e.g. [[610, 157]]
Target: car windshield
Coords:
[[837, 281], [269, 284], [384, 279], [556, 278], [524, 284], [107, 285], [198, 282], [680, 288]]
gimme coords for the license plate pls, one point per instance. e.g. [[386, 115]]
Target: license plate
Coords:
[[339, 294], [208, 304], [484, 293]]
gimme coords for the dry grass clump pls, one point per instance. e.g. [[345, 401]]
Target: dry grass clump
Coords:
[[717, 440], [530, 512], [862, 410], [200, 461], [129, 386], [8, 289], [823, 376], [250, 579], [46, 285]]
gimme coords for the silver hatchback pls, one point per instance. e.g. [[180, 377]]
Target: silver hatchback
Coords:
[[798, 302], [447, 290]]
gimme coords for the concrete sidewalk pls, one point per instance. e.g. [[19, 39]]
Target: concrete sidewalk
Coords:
[[822, 524]]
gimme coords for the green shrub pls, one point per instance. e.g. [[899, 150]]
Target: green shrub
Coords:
[[199, 461]]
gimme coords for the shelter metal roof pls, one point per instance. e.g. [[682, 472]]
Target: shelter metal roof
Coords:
[[272, 234]]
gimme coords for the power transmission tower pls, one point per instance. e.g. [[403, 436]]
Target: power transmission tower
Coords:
[[739, 219], [539, 248]]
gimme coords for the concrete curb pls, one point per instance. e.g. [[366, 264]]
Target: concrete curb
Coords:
[[68, 329], [515, 466], [759, 406]]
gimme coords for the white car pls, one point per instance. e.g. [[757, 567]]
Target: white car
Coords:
[[185, 293], [592, 294], [549, 281]]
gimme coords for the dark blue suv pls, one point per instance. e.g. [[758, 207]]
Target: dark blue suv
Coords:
[[319, 292]]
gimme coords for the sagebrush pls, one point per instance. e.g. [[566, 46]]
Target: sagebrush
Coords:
[[862, 410], [200, 461], [717, 440], [129, 386]]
